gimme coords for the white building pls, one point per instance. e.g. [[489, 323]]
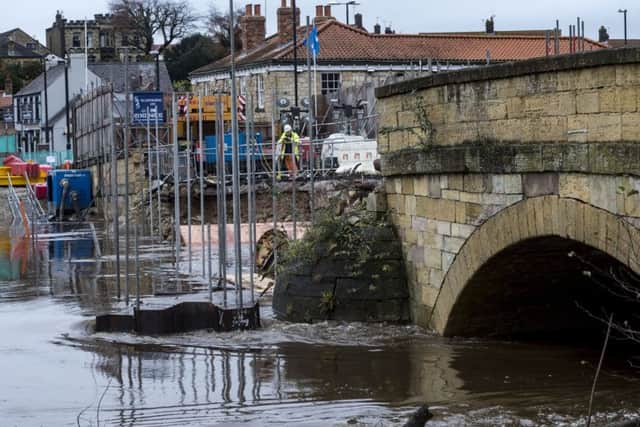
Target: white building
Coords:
[[31, 115]]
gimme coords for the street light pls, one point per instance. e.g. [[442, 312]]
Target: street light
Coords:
[[156, 53], [346, 4], [624, 12]]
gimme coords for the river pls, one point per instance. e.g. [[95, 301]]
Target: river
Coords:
[[56, 372]]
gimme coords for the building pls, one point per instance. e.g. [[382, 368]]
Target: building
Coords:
[[351, 56], [6, 108], [104, 42], [17, 47], [44, 128]]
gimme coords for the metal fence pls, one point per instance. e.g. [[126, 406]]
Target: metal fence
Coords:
[[55, 158]]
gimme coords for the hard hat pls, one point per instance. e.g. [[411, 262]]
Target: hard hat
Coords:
[[287, 128]]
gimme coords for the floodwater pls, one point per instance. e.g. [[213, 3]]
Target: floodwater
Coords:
[[56, 372]]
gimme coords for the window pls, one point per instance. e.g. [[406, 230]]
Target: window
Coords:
[[104, 39], [90, 40], [260, 92], [330, 82], [125, 40], [91, 59], [76, 40], [31, 46]]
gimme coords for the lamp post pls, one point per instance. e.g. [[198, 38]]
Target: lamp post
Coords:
[[346, 4], [624, 13], [156, 53], [46, 103]]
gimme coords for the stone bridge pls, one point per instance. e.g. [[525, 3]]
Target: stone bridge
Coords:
[[495, 175]]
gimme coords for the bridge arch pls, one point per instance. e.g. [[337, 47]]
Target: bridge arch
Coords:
[[513, 276]]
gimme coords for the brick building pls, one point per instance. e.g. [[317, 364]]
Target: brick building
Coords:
[[351, 56], [105, 42]]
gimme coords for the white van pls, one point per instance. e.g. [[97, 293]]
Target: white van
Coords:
[[349, 154]]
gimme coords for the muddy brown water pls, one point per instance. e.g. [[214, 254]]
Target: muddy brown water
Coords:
[[54, 371]]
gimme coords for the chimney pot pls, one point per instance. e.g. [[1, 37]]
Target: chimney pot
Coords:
[[319, 11], [248, 10], [257, 10], [283, 4], [358, 19], [327, 11], [377, 29]]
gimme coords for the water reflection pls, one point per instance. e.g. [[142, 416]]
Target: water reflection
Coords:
[[469, 383], [322, 374]]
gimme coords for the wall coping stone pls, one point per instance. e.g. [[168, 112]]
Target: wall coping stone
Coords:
[[607, 158], [619, 56]]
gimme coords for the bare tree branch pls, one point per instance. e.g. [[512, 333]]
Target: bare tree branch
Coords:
[[143, 20]]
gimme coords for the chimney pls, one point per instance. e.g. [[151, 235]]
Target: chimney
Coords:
[[285, 22], [8, 86], [252, 27], [388, 30], [489, 26], [358, 19], [323, 14], [377, 29]]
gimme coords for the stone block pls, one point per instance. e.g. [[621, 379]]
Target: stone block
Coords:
[[587, 102], [496, 110], [455, 182], [631, 127], [474, 183], [461, 212], [453, 244], [432, 258], [435, 277], [451, 194], [540, 184], [462, 230], [604, 127], [433, 240], [429, 294], [443, 227], [578, 128], [407, 119], [515, 107], [447, 260], [434, 187], [410, 204], [420, 185], [574, 186], [497, 183], [418, 223], [513, 184], [407, 185]]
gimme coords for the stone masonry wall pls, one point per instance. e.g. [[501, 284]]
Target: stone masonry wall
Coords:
[[458, 148]]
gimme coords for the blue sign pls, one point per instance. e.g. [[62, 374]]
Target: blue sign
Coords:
[[151, 102]]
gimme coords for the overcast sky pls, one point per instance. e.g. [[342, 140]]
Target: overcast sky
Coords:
[[405, 16]]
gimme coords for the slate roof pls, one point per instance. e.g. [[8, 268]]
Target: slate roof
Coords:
[[19, 52], [343, 44], [142, 75], [37, 84]]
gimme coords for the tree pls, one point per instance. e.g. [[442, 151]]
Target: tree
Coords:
[[21, 74], [144, 19], [218, 24], [191, 53]]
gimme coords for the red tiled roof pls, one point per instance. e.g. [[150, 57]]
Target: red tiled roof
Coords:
[[346, 44]]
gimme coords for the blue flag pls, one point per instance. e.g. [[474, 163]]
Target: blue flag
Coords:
[[313, 42]]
